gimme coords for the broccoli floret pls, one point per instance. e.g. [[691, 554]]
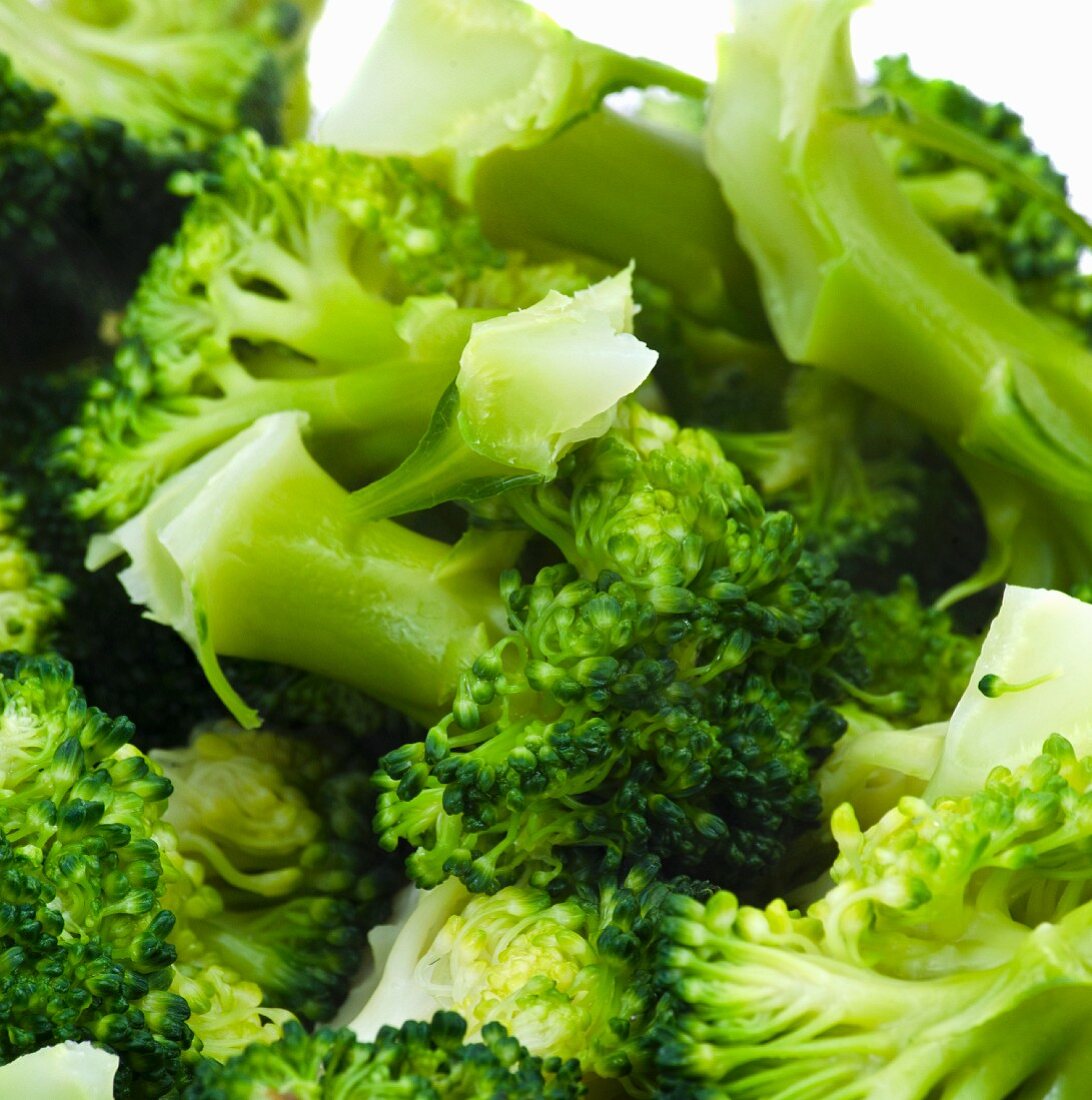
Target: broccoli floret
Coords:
[[570, 975], [301, 278], [99, 103], [945, 958], [545, 165], [918, 664], [85, 936], [664, 691], [282, 829], [970, 169], [856, 282], [425, 1061]]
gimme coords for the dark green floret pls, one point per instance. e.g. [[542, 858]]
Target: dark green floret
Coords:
[[422, 1061], [87, 956], [663, 692]]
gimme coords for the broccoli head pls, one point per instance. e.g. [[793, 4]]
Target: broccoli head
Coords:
[[85, 934], [664, 691]]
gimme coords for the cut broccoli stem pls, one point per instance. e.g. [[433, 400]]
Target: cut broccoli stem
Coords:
[[623, 189], [251, 552]]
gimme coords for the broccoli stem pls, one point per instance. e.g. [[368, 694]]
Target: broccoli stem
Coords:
[[624, 189], [256, 537]]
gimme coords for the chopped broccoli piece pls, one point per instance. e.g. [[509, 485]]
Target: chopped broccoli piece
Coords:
[[946, 958], [266, 523], [857, 282], [531, 386], [423, 1061], [547, 167], [665, 691], [971, 170]]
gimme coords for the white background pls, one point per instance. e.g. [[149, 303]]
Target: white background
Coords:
[[1031, 54]]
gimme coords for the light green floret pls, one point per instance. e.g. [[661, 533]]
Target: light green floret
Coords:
[[948, 957], [302, 279], [855, 281]]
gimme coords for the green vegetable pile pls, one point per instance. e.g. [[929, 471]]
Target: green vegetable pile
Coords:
[[522, 593]]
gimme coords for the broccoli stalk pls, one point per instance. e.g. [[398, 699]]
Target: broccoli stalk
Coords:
[[545, 164], [257, 524], [857, 283]]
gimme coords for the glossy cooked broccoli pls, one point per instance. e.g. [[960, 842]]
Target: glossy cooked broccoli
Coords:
[[281, 827], [856, 282], [301, 278], [422, 1061], [99, 103]]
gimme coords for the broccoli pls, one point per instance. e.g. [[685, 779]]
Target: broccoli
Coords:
[[282, 829], [857, 283], [946, 955], [531, 386], [301, 278], [547, 167], [65, 1071], [423, 1061], [101, 102], [665, 691], [438, 601], [85, 938], [969, 169], [570, 976], [128, 664]]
